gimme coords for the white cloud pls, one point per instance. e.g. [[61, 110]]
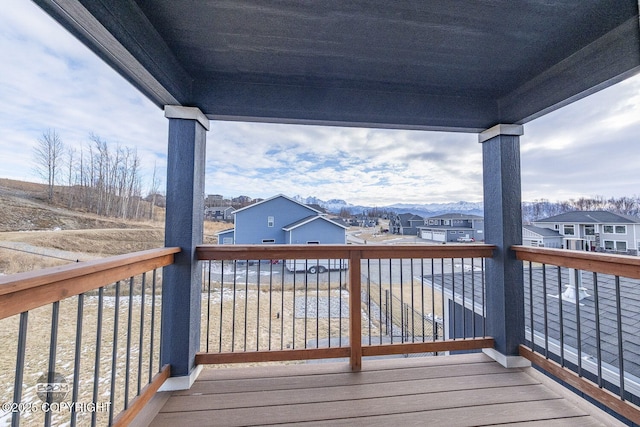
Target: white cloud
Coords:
[[53, 81]]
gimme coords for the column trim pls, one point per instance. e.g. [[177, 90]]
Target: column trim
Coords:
[[501, 129], [188, 113]]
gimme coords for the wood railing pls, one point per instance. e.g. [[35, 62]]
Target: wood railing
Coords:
[[84, 298], [581, 322], [443, 262]]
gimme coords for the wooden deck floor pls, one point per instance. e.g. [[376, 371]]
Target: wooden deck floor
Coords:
[[466, 390]]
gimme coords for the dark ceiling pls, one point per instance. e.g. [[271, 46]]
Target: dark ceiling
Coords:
[[440, 64]]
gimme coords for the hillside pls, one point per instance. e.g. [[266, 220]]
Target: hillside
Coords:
[[35, 234]]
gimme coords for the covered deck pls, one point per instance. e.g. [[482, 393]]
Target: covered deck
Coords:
[[461, 390], [464, 66]]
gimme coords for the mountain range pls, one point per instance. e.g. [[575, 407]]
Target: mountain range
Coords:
[[425, 209]]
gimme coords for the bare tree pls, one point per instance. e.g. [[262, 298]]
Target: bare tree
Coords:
[[155, 187], [48, 153]]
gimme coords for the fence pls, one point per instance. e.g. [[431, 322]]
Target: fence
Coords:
[[581, 322], [81, 342], [294, 302]]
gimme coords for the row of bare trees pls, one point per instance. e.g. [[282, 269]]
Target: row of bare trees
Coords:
[[543, 208], [99, 177]]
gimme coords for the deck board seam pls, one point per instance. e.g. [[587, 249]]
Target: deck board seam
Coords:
[[427, 411], [409, 395], [325, 386], [361, 373]]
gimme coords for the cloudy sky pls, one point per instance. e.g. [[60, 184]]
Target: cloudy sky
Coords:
[[48, 80]]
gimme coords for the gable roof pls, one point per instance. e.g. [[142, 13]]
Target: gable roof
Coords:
[[591, 217], [541, 231], [315, 211], [455, 216], [228, 230], [309, 219]]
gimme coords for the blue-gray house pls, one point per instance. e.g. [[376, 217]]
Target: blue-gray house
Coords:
[[282, 220]]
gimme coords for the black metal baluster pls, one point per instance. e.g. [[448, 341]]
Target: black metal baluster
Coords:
[[76, 360], [96, 365], [546, 311], [484, 305], [531, 322], [154, 279], [403, 332], [560, 317], [473, 299], [380, 294], [422, 297], [369, 296], [127, 370], [282, 305], [270, 302], [246, 304], [141, 338], [464, 301], [620, 346], [208, 307], [221, 305], [233, 306], [114, 354], [452, 311], [257, 307], [293, 326], [413, 317], [20, 356], [53, 345], [596, 300], [578, 330], [329, 303], [318, 306], [442, 297]]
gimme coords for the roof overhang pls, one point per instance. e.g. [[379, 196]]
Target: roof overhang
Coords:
[[460, 65]]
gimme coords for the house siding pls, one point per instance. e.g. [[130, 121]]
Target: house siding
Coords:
[[251, 224], [318, 230]]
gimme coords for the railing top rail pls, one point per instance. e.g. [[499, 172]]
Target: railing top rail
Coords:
[[25, 291], [617, 265], [253, 252]]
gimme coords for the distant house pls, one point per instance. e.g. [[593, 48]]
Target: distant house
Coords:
[[219, 213], [596, 231], [406, 224], [453, 227], [541, 237], [282, 220]]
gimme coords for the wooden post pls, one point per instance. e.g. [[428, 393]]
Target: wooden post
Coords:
[[355, 313]]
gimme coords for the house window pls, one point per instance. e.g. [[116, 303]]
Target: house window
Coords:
[[615, 245], [621, 229], [608, 229], [268, 241], [568, 230], [556, 226], [590, 230], [270, 221]]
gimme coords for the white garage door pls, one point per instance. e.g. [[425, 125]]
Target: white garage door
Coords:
[[440, 236], [428, 235]]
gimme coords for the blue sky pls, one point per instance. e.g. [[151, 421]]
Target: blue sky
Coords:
[[50, 80]]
